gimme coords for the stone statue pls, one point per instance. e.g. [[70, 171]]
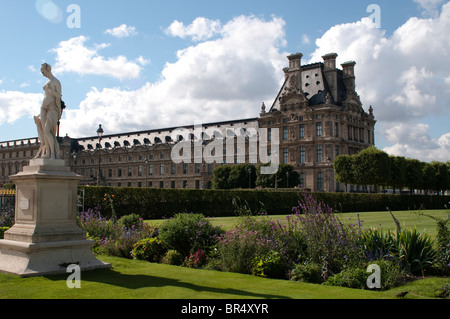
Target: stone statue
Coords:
[[51, 111]]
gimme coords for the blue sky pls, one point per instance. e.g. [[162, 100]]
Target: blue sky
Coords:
[[136, 65]]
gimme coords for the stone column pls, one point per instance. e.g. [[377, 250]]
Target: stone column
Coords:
[[45, 238]]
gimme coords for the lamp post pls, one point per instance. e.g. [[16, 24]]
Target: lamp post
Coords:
[[249, 177], [99, 135]]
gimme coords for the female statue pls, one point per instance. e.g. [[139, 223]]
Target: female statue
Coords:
[[47, 121]]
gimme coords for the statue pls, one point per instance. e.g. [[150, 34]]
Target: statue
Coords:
[[51, 112]]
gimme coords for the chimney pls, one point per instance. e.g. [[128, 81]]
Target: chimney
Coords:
[[348, 70], [330, 73], [293, 73], [330, 60], [295, 61]]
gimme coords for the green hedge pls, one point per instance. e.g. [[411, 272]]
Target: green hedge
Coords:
[[155, 203]]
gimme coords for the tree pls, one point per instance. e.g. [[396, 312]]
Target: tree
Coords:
[[220, 177], [442, 177], [372, 167], [285, 177], [429, 177], [343, 170], [414, 174], [239, 176], [398, 172]]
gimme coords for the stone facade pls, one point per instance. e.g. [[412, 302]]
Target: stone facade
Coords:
[[317, 113]]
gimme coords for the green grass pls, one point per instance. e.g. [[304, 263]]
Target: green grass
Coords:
[[132, 279]]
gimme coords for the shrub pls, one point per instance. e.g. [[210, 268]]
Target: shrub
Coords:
[[391, 274], [270, 265], [195, 259], [128, 221], [329, 242], [149, 249], [377, 243], [309, 272], [173, 257], [350, 278], [238, 248], [110, 237], [189, 232], [415, 251]]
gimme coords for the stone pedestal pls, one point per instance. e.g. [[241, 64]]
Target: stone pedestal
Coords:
[[45, 238]]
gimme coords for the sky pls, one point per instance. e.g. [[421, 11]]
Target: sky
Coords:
[[142, 64]]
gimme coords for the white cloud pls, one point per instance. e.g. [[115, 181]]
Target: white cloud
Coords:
[[122, 31], [199, 30], [74, 56], [222, 79], [413, 141], [15, 105]]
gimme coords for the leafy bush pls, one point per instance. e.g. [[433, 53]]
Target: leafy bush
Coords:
[[149, 249], [308, 272], [129, 221], [415, 251], [173, 257], [442, 243], [350, 278], [238, 248], [377, 243], [189, 232], [270, 265], [391, 274]]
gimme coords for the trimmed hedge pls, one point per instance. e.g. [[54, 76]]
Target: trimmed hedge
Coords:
[[156, 203]]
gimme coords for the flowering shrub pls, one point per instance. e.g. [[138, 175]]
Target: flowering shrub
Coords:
[[150, 249], [196, 260], [188, 232], [239, 247], [112, 238], [329, 242]]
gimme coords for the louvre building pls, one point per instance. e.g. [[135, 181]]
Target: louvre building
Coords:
[[316, 116]]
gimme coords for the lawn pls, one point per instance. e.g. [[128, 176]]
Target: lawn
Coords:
[[132, 279]]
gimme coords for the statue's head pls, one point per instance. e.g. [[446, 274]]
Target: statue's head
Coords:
[[46, 69]]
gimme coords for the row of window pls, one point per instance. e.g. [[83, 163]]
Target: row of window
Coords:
[[151, 170], [25, 154], [354, 133]]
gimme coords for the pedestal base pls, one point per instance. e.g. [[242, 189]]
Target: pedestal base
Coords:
[[47, 258], [45, 238]]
